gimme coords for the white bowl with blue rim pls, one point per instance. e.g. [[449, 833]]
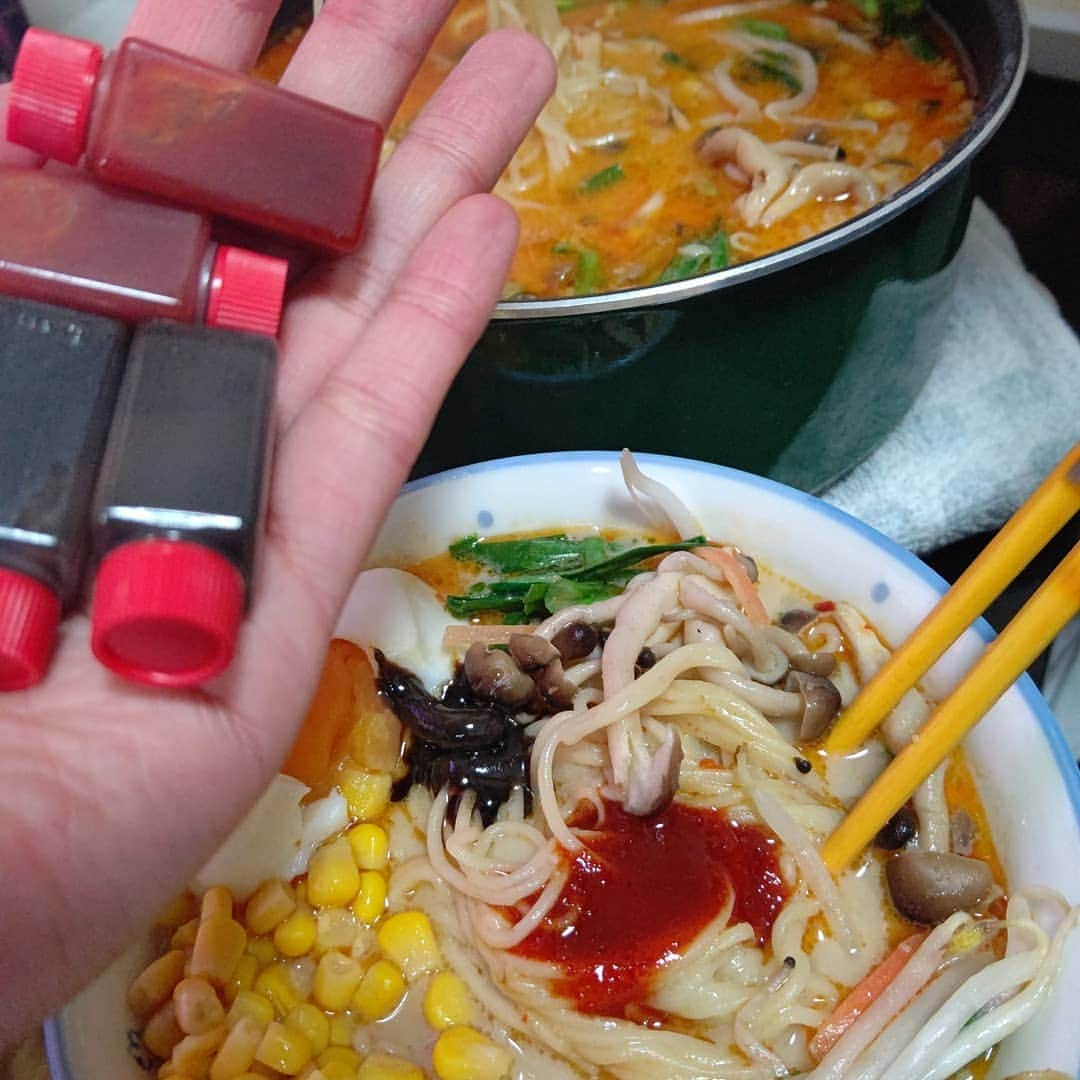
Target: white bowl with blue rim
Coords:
[[1027, 779]]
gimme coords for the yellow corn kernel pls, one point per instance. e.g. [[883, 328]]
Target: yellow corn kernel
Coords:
[[198, 1009], [219, 944], [184, 936], [271, 902], [380, 991], [332, 878], [367, 794], [448, 1002], [262, 949], [334, 1057], [388, 1067], [193, 1054], [878, 109], [247, 967], [217, 902], [313, 1023], [238, 1050], [283, 1048], [162, 1032], [370, 901], [296, 934], [341, 1032], [154, 986], [252, 1006], [336, 980], [462, 1053], [336, 1071], [370, 846], [275, 985], [408, 939]]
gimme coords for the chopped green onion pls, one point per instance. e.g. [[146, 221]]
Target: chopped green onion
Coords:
[[604, 178], [768, 65], [566, 5], [704, 262], [675, 59], [589, 273], [762, 28], [920, 46]]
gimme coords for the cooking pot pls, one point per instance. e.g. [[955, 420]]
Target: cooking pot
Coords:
[[795, 365]]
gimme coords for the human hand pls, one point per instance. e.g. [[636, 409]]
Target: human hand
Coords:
[[112, 795]]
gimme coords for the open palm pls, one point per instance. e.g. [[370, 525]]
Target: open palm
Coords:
[[111, 795]]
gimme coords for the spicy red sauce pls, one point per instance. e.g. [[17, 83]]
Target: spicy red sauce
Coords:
[[641, 893]]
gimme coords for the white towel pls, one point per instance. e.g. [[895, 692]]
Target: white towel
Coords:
[[1001, 407]]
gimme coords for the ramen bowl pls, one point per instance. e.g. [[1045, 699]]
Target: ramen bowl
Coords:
[[1026, 778], [795, 365]]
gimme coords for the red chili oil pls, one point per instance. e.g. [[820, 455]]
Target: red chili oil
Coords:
[[157, 121], [641, 893], [67, 240]]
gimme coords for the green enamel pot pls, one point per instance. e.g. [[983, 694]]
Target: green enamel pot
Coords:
[[794, 366]]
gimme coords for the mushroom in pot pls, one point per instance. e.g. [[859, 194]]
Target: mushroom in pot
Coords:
[[532, 652], [929, 886], [821, 702], [539, 657], [494, 676], [899, 830], [650, 788], [576, 641]]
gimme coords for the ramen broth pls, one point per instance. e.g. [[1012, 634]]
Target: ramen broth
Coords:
[[619, 184], [643, 894]]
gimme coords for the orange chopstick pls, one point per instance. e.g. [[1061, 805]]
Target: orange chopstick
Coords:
[[1022, 537], [1005, 659]]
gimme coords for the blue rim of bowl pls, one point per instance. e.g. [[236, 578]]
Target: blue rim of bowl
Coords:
[[55, 1048]]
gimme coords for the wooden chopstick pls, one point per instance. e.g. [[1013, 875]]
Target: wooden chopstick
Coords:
[[1005, 659], [1022, 537]]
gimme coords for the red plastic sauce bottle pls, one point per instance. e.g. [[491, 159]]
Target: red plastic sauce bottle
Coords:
[[160, 122], [67, 240], [178, 505], [59, 375]]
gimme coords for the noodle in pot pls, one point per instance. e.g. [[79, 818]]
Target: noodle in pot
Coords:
[[620, 183]]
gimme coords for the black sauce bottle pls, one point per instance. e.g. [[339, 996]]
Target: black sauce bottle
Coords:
[[59, 375], [178, 506]]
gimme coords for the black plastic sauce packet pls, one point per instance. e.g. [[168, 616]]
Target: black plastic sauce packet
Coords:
[[13, 25], [59, 375], [178, 508]]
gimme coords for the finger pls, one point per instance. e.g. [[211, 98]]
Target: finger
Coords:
[[342, 462], [359, 55], [228, 33], [457, 146]]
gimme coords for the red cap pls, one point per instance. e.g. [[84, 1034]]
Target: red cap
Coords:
[[246, 291], [166, 612], [29, 616], [52, 89]]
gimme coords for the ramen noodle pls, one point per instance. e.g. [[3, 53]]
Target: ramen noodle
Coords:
[[686, 136], [572, 829]]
